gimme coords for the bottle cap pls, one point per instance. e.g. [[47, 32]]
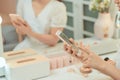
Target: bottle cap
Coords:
[[106, 59]]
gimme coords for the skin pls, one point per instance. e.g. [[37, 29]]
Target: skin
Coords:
[[92, 60], [24, 29]]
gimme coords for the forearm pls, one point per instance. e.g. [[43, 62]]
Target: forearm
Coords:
[[48, 39], [111, 71]]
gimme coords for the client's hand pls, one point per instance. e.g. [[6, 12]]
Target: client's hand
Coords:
[[22, 27], [93, 60], [81, 57], [85, 69], [17, 22], [87, 57], [69, 49]]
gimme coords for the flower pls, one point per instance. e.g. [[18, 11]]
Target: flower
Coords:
[[100, 5]]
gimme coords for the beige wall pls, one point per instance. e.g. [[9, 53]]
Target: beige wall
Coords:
[[6, 7]]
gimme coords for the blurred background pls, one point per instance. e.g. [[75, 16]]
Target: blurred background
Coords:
[[79, 25]]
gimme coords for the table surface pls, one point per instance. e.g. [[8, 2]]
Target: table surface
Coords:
[[65, 74]]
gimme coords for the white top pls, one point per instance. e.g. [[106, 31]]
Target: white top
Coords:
[[53, 15]]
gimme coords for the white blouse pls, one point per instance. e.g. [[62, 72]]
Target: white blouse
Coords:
[[53, 15]]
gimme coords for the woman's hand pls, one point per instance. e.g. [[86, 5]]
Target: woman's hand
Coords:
[[93, 60], [17, 21], [69, 48], [25, 29], [82, 57], [87, 57], [21, 26]]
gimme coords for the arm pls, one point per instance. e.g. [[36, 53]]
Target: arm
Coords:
[[24, 29], [49, 39], [96, 62], [110, 70], [92, 60], [58, 21]]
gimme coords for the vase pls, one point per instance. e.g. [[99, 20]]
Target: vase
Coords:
[[103, 27]]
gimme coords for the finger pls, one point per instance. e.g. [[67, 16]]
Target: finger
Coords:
[[65, 47], [84, 59], [70, 50], [74, 53], [22, 22], [81, 46], [85, 70], [15, 24], [26, 24], [71, 40], [87, 50], [81, 57], [86, 64], [20, 19]]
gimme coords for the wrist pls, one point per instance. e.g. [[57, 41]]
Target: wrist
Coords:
[[102, 66], [30, 33]]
